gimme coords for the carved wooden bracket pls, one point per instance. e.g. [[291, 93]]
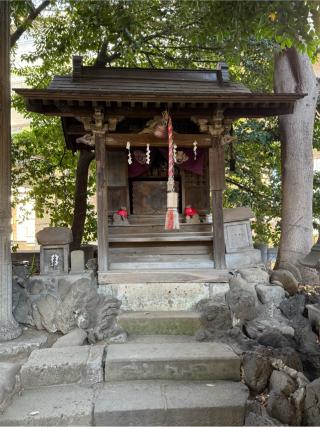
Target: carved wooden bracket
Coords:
[[215, 127], [226, 137], [219, 128], [100, 123]]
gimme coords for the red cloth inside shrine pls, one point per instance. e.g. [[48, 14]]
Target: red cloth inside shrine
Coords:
[[185, 160]]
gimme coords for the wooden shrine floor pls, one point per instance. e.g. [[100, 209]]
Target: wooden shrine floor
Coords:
[[164, 276], [144, 244], [143, 251]]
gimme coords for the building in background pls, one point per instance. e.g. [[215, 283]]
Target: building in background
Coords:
[[25, 224]]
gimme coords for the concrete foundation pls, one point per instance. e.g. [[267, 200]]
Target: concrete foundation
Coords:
[[162, 296]]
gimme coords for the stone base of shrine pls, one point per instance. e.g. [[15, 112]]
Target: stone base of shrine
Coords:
[[155, 292]]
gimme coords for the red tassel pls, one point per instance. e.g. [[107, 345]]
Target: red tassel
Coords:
[[172, 219]]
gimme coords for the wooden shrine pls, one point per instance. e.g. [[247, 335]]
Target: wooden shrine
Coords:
[[115, 112]]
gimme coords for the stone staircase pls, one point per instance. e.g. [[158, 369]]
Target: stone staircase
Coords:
[[161, 376]]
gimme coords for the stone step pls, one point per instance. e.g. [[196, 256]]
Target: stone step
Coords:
[[174, 361], [9, 383], [70, 405], [134, 403], [160, 322], [170, 403], [65, 365], [161, 339]]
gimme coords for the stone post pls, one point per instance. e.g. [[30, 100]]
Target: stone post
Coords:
[[9, 328]]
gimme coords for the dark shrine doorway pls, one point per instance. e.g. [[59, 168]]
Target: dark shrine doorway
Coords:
[[148, 183], [142, 188]]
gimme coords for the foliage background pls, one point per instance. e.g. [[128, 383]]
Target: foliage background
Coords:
[[169, 34]]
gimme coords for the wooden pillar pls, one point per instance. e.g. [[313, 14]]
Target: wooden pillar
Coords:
[[9, 328], [217, 185], [102, 198]]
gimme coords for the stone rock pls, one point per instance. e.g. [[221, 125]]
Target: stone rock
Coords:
[[78, 297], [313, 298], [276, 283], [311, 412], [275, 339], [215, 318], [281, 408], [309, 349], [293, 306], [121, 338], [21, 307], [289, 357], [66, 302], [269, 319], [270, 294], [241, 299], [257, 370], [280, 382], [54, 236], [74, 338], [92, 264], [21, 304], [8, 381], [288, 280], [253, 419], [314, 316], [310, 276], [255, 275], [44, 312], [256, 415]]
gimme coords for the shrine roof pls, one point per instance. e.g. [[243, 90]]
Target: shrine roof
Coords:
[[122, 90], [139, 81]]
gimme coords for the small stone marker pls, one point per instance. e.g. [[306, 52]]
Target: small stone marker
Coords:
[[54, 249], [77, 261]]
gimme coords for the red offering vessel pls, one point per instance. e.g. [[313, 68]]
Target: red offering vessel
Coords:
[[123, 213], [189, 211]]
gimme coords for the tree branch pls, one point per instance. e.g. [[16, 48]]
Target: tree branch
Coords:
[[246, 188], [35, 12], [103, 58]]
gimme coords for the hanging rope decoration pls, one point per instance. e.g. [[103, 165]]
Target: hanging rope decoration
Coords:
[[195, 147], [148, 154], [175, 153], [129, 153], [172, 216]]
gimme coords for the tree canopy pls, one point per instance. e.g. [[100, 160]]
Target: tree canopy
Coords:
[[169, 34]]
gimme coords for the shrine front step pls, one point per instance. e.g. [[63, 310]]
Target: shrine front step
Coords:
[[171, 361], [135, 403], [160, 322]]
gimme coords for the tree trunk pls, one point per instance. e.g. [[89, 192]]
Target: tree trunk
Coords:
[[293, 73], [9, 328], [80, 197]]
